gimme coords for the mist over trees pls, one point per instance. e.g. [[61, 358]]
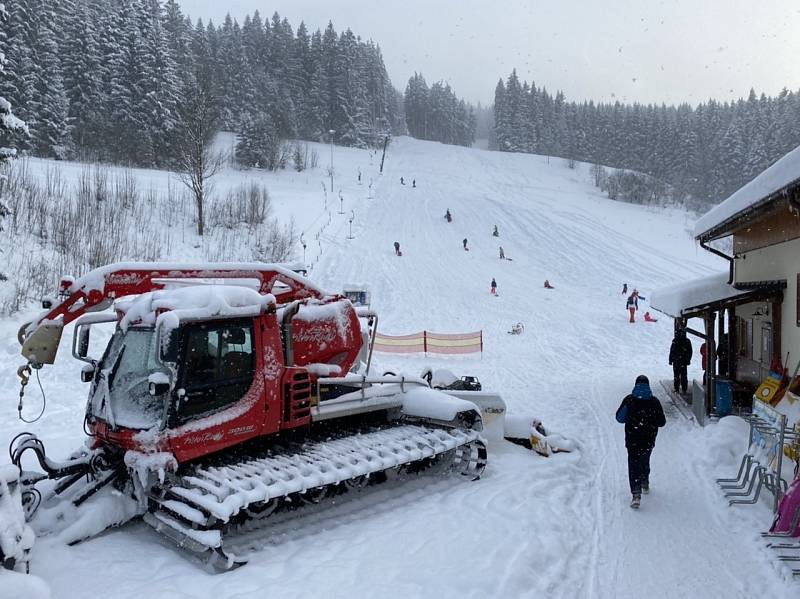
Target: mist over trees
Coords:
[[435, 113], [103, 79], [703, 152]]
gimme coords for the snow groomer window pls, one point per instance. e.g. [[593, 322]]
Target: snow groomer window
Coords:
[[218, 367]]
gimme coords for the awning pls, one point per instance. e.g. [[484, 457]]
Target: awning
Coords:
[[710, 294]]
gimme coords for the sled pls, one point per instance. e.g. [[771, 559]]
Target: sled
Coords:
[[517, 329], [531, 433]]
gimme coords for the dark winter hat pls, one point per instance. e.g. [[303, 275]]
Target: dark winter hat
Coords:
[[642, 380]]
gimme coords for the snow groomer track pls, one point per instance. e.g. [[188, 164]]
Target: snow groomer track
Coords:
[[199, 509]]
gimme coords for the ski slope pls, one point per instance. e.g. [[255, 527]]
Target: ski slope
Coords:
[[556, 527]]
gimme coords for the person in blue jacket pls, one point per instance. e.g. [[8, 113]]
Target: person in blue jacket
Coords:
[[642, 415]]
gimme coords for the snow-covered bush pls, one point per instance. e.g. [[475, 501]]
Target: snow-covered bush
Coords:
[[637, 188], [247, 204], [57, 226]]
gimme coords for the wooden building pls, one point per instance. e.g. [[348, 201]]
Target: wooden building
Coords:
[[750, 314]]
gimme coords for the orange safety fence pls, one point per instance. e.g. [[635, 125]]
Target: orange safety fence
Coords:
[[428, 342]]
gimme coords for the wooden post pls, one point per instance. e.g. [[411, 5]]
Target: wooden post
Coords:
[[720, 333], [733, 342], [711, 360], [777, 351]]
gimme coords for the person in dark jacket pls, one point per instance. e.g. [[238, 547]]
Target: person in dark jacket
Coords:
[[680, 356], [642, 414], [397, 248], [632, 305]]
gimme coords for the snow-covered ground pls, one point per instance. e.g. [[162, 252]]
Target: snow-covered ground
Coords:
[[555, 527]]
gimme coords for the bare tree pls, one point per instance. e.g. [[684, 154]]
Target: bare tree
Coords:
[[196, 162]]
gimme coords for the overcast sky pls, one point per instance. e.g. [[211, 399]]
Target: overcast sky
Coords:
[[631, 50]]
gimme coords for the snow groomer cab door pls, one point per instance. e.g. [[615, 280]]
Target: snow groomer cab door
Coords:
[[228, 388]]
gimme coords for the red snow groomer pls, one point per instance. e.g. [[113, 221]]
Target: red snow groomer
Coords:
[[224, 401]]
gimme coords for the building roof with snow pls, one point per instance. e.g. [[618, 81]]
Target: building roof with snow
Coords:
[[712, 292], [778, 182]]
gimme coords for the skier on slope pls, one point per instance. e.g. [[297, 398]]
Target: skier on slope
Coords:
[[494, 286], [414, 183], [680, 356], [624, 288], [642, 415], [466, 249], [397, 248], [502, 253], [402, 182], [447, 216], [495, 233]]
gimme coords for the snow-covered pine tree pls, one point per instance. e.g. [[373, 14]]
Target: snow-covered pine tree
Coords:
[[259, 143], [50, 134], [10, 125], [83, 75], [159, 86]]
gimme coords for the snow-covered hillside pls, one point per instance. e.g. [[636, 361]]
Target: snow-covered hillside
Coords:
[[556, 527]]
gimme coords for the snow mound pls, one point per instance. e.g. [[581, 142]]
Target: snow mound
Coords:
[[16, 537], [108, 508], [721, 445], [14, 585]]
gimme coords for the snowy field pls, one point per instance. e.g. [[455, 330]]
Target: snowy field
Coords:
[[556, 527]]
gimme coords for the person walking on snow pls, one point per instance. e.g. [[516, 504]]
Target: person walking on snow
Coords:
[[642, 415], [494, 286], [633, 305], [413, 183], [502, 253], [447, 216], [496, 233], [466, 249], [680, 356], [397, 248], [624, 288], [402, 182]]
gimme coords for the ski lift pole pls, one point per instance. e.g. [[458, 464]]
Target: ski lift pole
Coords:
[[352, 217]]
